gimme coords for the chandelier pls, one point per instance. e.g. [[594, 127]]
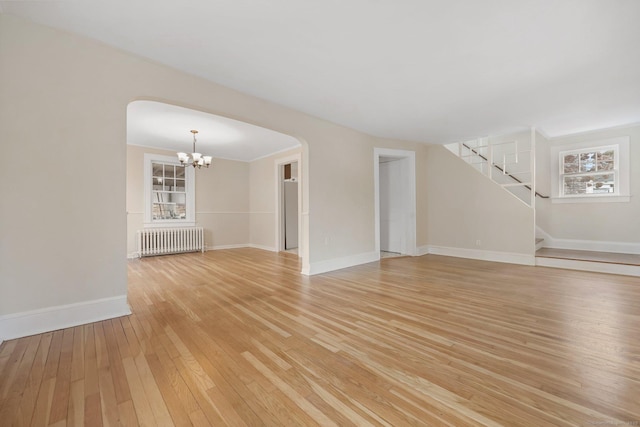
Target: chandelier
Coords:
[[195, 159]]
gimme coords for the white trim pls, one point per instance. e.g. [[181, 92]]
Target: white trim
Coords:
[[263, 247], [222, 247], [48, 319], [239, 246], [340, 263], [591, 199], [495, 256], [587, 245], [598, 267], [422, 250], [409, 246], [133, 255]]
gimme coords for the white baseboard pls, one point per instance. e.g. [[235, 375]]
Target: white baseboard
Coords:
[[264, 248], [587, 245], [220, 247], [507, 257], [240, 245], [133, 255], [48, 319], [339, 263], [598, 267], [422, 250]]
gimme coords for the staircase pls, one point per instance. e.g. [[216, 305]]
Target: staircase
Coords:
[[508, 162]]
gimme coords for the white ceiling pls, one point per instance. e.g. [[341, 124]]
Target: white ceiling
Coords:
[[154, 124], [423, 70]]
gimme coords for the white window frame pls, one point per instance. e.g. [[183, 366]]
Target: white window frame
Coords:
[[621, 193], [190, 190]]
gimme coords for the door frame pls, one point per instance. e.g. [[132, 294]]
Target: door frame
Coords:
[[279, 202], [409, 198]]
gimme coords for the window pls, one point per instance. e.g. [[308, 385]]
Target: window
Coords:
[[169, 192], [592, 171], [169, 199], [589, 171]]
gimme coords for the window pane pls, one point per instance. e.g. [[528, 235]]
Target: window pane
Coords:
[[589, 184], [180, 172], [169, 206], [157, 169], [571, 164], [157, 183], [605, 160], [169, 171], [180, 185], [169, 184], [587, 162]]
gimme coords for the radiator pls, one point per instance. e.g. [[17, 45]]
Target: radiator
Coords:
[[161, 241]]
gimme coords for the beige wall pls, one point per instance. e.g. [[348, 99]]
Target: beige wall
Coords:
[[466, 206], [222, 199], [63, 101], [604, 222]]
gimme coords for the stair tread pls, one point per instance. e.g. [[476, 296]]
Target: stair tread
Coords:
[[591, 256]]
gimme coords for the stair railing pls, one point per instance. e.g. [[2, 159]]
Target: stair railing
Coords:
[[515, 161]]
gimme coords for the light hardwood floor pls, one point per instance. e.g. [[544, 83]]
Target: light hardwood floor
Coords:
[[238, 337]]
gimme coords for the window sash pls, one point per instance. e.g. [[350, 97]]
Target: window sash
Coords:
[[595, 172]]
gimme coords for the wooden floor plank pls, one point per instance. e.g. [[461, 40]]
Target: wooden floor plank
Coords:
[[12, 395], [36, 373], [238, 337], [60, 404]]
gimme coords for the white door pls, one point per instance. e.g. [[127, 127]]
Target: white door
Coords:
[[391, 206]]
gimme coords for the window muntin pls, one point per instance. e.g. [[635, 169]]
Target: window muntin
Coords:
[[589, 172]]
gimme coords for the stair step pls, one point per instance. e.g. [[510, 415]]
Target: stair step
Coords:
[[592, 256], [602, 262]]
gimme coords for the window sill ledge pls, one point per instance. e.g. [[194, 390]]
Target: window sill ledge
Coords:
[[169, 224], [592, 199]]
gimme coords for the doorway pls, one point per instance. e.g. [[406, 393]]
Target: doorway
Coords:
[[395, 202], [290, 207], [288, 204]]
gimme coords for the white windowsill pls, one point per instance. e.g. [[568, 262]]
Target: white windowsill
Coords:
[[168, 224], [592, 199]]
